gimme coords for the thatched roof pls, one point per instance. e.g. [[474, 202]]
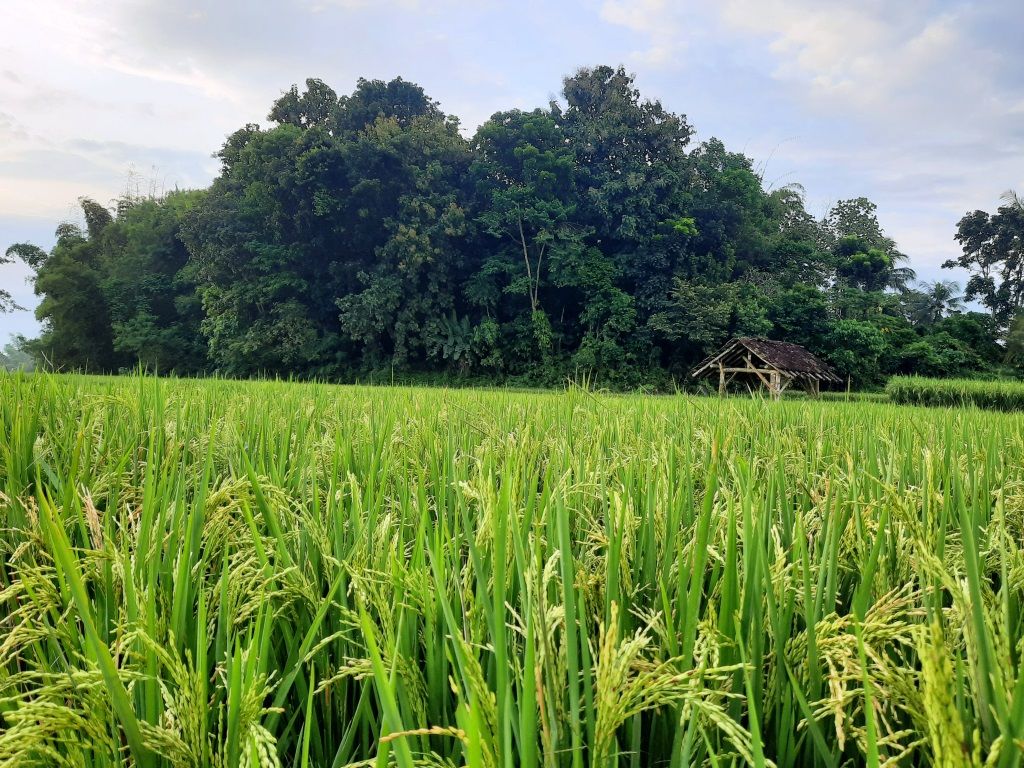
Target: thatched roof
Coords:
[[790, 359]]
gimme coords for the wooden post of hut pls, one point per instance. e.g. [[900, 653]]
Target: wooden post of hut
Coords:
[[772, 364]]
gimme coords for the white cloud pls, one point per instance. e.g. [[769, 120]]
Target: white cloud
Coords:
[[659, 21], [907, 62]]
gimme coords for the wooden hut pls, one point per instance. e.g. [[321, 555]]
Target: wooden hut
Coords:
[[775, 364]]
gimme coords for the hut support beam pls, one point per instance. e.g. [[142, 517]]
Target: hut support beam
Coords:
[[751, 369]]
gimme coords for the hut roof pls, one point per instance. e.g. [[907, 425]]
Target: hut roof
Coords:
[[791, 359]]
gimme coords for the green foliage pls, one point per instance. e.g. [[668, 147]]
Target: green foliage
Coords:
[[949, 393], [857, 219], [705, 315], [864, 267], [801, 314], [855, 349], [316, 106], [525, 183], [934, 302], [457, 341], [150, 286], [976, 331], [939, 354], [1015, 342], [684, 225]]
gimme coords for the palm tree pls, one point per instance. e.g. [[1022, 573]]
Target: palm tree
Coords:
[[1012, 199], [939, 299], [898, 278]]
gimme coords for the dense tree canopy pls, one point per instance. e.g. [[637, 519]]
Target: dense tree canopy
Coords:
[[366, 234]]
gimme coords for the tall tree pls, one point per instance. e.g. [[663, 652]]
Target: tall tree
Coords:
[[150, 287], [256, 273], [633, 180], [934, 301], [524, 174], [325, 243], [865, 267], [863, 252], [407, 288], [630, 152], [316, 106], [736, 221], [74, 312], [993, 253]]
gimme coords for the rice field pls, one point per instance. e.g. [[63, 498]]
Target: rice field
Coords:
[[1005, 395], [209, 573]]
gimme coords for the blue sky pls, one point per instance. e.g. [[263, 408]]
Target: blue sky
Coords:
[[918, 105]]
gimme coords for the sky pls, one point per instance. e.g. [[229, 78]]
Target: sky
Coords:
[[918, 105]]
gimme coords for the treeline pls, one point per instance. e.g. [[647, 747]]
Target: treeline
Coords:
[[365, 235]]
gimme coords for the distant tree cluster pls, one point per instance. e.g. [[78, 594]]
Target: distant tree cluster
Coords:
[[364, 234], [14, 356]]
